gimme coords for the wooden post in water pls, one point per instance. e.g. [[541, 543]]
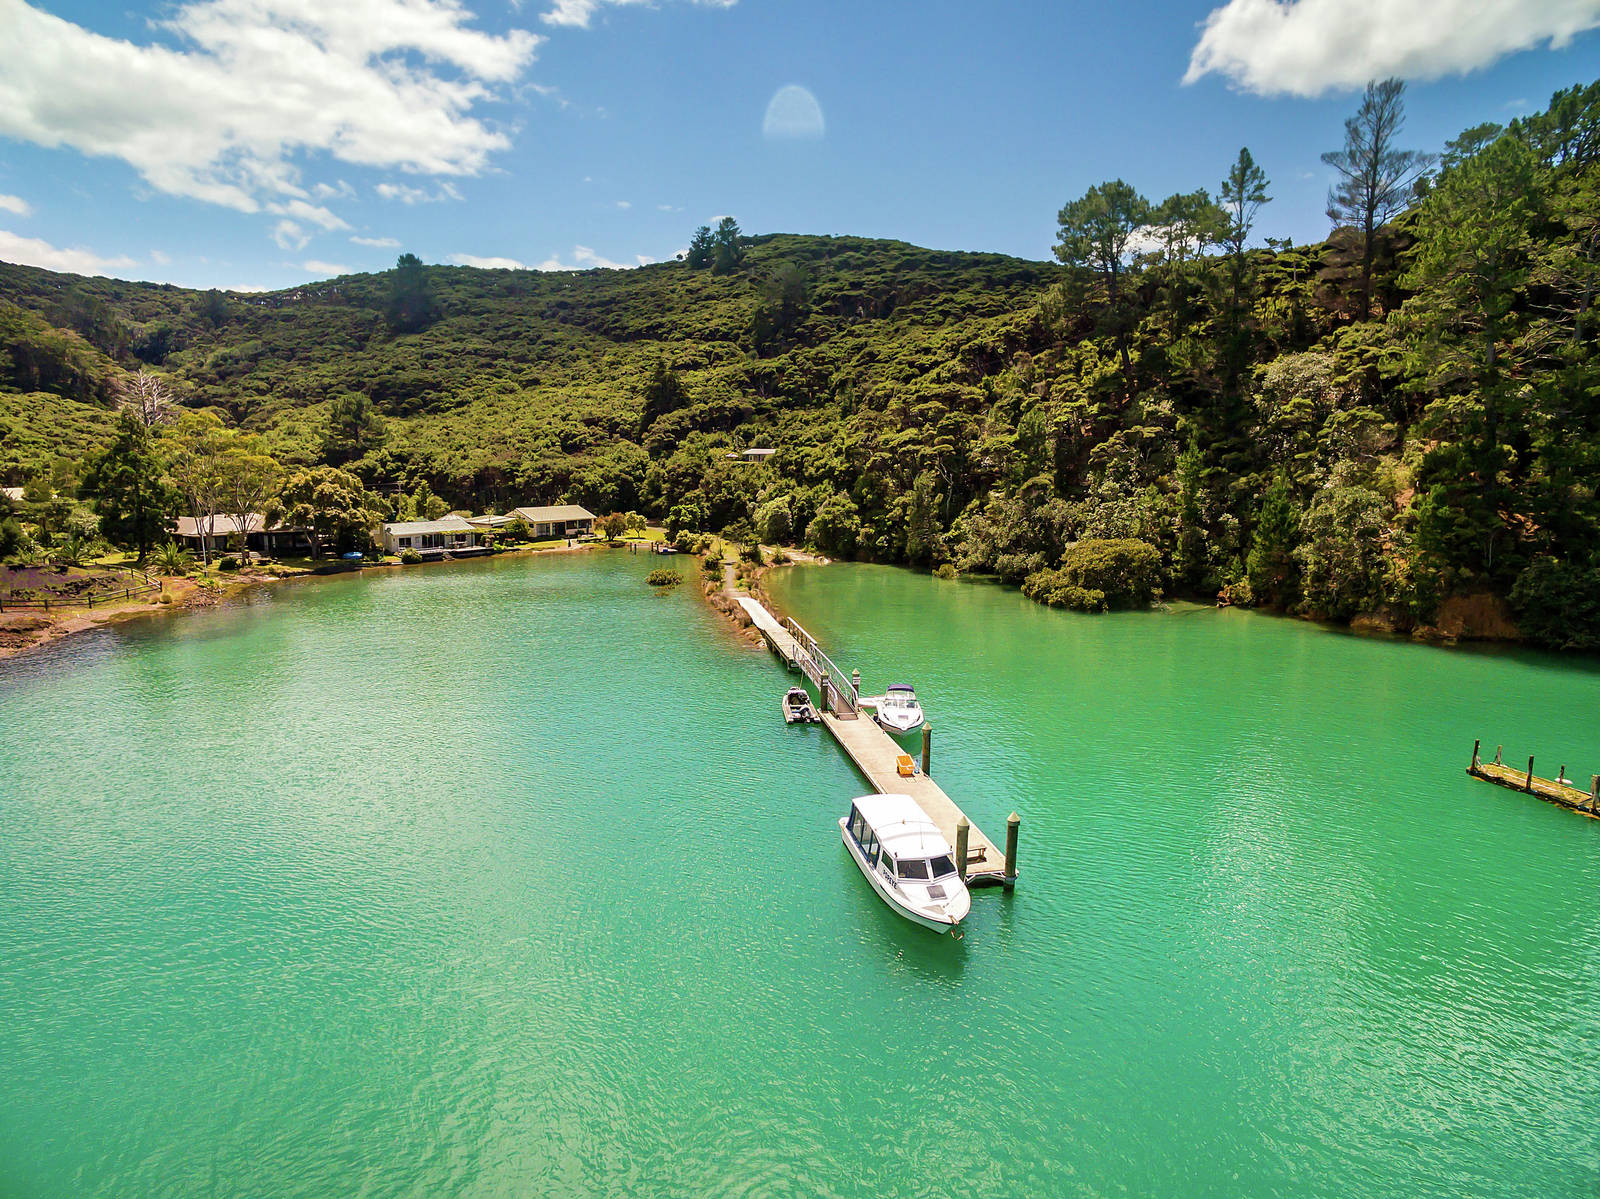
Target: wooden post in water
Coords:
[[1012, 821], [1497, 750], [1594, 793], [962, 830], [1528, 786], [927, 746], [1473, 768]]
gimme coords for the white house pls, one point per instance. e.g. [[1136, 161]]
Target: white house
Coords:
[[433, 538], [562, 520], [222, 532]]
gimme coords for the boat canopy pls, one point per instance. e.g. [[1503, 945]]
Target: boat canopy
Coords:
[[901, 826], [901, 687]]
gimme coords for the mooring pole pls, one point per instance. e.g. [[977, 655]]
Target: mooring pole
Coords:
[[1474, 766], [927, 746], [1528, 786], [1497, 750], [1594, 792], [1012, 823], [963, 830]]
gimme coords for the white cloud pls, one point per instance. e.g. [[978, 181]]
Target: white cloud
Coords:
[[30, 251], [290, 236], [793, 114], [668, 208], [407, 194], [378, 243], [15, 205], [488, 264], [325, 269], [583, 259], [252, 91], [578, 13], [624, 204], [160, 258], [1308, 47], [328, 191]]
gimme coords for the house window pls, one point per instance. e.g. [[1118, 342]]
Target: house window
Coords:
[[406, 541]]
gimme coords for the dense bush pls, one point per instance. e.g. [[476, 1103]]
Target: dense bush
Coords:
[[663, 577], [409, 556], [1100, 573], [1557, 604]]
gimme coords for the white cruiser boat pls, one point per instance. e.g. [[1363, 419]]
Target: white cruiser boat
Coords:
[[907, 860], [897, 710]]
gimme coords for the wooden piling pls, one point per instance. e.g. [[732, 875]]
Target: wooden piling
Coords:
[[927, 746], [1528, 786], [1474, 765], [1012, 823], [963, 831], [1497, 750], [1594, 793]]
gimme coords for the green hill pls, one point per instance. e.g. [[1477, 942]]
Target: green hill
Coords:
[[1402, 426]]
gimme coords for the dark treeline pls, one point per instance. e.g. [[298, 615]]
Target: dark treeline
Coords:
[[1399, 422]]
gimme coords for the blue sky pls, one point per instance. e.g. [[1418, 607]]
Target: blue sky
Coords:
[[263, 143]]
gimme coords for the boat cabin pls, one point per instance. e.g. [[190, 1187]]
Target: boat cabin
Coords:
[[898, 840]]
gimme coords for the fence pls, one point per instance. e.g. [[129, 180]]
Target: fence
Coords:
[[831, 682], [45, 603]]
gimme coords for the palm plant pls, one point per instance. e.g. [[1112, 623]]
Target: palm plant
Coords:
[[172, 559]]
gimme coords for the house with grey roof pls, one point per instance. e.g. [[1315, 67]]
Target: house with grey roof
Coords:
[[560, 520], [450, 535]]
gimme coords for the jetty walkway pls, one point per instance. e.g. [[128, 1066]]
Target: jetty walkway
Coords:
[[876, 754]]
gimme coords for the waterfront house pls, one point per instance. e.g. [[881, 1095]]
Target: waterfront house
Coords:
[[222, 531], [434, 538], [560, 520]]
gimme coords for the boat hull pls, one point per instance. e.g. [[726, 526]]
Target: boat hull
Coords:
[[936, 923]]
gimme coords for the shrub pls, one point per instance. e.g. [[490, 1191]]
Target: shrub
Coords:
[[752, 554], [172, 559], [1097, 574], [663, 577], [164, 598], [410, 557], [1556, 604], [516, 531], [228, 563], [946, 570]]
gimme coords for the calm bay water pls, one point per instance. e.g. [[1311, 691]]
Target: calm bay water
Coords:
[[506, 879]]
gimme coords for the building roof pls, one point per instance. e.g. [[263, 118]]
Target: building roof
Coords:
[[445, 524], [13, 493], [557, 512], [902, 827], [221, 525], [490, 521]]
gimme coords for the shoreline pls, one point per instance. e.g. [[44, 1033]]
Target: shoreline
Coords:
[[23, 631]]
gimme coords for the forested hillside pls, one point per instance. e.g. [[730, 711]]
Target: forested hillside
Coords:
[[1398, 418]]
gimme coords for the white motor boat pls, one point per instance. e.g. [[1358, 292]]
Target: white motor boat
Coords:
[[897, 709], [907, 860]]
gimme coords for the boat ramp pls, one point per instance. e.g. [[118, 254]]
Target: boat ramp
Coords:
[[877, 755]]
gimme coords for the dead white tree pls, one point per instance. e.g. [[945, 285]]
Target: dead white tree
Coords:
[[146, 397]]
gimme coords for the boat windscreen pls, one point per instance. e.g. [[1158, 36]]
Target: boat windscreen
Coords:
[[943, 865], [914, 868]]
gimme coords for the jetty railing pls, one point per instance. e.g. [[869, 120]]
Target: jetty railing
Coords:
[[834, 685]]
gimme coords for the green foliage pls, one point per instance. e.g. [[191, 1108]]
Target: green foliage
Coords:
[[727, 254], [11, 538], [1344, 539], [128, 482], [1557, 604], [1272, 569], [172, 559], [411, 306], [409, 557], [332, 505], [612, 525], [353, 429], [1097, 574], [663, 577], [702, 248], [835, 528]]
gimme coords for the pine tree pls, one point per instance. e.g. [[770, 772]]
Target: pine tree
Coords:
[[128, 483]]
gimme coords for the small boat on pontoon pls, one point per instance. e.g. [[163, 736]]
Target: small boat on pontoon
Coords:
[[897, 709], [797, 707], [907, 860]]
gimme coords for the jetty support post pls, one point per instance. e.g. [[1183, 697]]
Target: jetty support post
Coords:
[[963, 829], [1012, 823], [1497, 750], [1473, 768], [1594, 792], [927, 746], [1528, 784], [855, 686]]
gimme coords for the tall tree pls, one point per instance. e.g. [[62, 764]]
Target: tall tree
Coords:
[[1096, 231], [199, 440], [147, 399], [1185, 224], [702, 246], [1244, 191], [1376, 177], [250, 479], [352, 430], [129, 486], [729, 250], [411, 303], [330, 504]]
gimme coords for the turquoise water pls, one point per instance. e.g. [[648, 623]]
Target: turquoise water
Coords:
[[506, 878]]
